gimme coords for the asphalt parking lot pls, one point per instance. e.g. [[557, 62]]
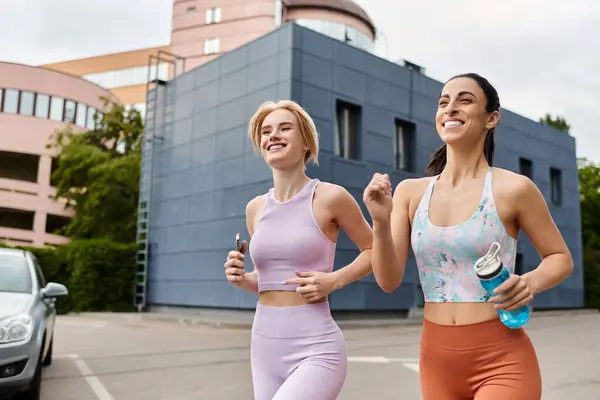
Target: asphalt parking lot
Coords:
[[125, 357]]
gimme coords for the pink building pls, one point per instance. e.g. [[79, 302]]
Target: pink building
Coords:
[[34, 102], [204, 29]]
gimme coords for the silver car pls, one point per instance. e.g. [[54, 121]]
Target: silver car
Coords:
[[27, 315]]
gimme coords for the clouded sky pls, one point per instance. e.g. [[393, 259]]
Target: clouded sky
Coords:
[[542, 55]]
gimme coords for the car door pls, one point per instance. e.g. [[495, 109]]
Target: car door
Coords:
[[49, 304]]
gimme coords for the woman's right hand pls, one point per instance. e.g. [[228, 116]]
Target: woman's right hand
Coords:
[[378, 197], [234, 266]]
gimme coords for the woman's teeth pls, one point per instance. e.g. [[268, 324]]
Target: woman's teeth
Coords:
[[452, 124]]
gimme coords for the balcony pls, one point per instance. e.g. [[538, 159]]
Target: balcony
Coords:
[[31, 196], [22, 237]]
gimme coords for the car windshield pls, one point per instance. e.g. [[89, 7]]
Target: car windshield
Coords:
[[14, 274]]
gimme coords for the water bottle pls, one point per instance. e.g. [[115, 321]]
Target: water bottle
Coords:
[[491, 273]]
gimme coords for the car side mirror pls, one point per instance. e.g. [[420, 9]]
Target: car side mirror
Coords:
[[53, 290]]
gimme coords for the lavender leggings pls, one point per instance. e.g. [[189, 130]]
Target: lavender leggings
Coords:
[[297, 353]]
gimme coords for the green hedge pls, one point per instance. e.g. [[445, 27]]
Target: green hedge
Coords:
[[99, 274], [591, 274]]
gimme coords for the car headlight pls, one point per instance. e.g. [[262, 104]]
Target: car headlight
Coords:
[[16, 328]]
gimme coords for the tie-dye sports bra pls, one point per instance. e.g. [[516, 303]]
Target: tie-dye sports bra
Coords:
[[445, 255]]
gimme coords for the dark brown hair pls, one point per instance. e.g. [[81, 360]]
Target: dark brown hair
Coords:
[[438, 159]]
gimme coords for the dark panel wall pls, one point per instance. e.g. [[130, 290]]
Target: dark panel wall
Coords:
[[206, 172]]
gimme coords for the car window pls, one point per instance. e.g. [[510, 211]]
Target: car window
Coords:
[[40, 275], [14, 274]]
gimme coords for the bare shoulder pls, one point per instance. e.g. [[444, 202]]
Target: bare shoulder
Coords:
[[255, 204], [510, 185], [332, 194], [410, 189], [253, 211]]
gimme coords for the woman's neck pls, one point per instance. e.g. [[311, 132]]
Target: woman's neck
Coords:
[[287, 183], [462, 165]]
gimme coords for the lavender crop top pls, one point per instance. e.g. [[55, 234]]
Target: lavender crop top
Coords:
[[287, 238]]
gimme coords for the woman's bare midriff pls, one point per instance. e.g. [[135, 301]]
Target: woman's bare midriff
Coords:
[[459, 313], [281, 298]]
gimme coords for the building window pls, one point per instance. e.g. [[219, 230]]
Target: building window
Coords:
[[346, 132], [404, 139], [26, 103], [339, 31], [80, 118], [56, 224], [212, 15], [42, 105], [69, 112], [91, 122], [556, 186], [526, 167], [11, 101], [19, 166], [129, 76], [57, 106], [212, 46], [45, 106], [519, 265], [16, 219]]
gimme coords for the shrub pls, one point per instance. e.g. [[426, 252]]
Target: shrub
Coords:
[[98, 273], [591, 273], [103, 274]]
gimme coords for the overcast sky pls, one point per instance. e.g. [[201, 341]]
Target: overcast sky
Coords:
[[542, 55]]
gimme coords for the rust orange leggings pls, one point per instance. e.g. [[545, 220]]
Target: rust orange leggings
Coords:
[[482, 361]]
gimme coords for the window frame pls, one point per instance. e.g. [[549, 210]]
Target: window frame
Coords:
[[346, 139], [527, 163], [408, 143], [42, 105], [212, 46], [556, 189], [212, 15]]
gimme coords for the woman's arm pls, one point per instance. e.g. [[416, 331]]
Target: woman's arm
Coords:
[[250, 281], [346, 214], [391, 241], [534, 218], [349, 218]]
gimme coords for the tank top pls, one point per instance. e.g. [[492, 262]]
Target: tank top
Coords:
[[287, 238], [445, 255]]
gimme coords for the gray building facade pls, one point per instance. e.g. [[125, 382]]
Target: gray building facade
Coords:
[[372, 116]]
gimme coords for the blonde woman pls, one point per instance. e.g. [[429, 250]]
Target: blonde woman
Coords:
[[297, 350]]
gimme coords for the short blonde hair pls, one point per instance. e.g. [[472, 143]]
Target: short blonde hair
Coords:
[[306, 126]]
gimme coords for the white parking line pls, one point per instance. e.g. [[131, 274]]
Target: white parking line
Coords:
[[414, 366], [369, 360], [410, 363], [95, 384], [87, 324]]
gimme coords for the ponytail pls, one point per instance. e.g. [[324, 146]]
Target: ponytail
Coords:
[[438, 159], [488, 147], [437, 163]]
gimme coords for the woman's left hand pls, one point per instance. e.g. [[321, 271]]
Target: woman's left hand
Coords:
[[313, 286], [513, 293]]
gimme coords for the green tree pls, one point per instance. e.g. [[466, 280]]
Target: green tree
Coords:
[[589, 189], [98, 174], [557, 122]]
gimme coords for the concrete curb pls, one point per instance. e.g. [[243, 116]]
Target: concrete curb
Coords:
[[245, 322], [242, 322]]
